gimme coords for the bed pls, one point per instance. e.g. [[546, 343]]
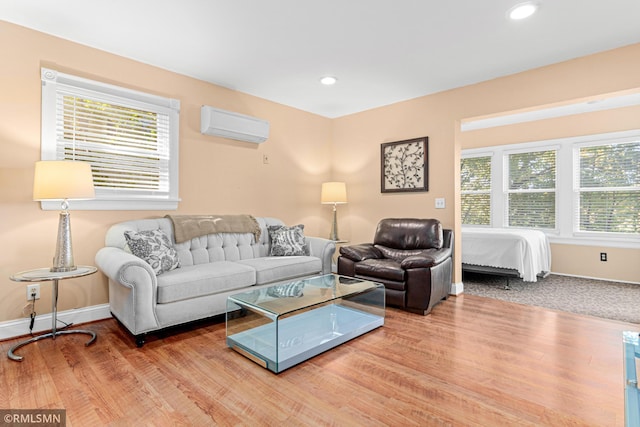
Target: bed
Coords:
[[521, 253]]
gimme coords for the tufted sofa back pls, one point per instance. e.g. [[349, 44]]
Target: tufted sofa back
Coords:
[[203, 249]]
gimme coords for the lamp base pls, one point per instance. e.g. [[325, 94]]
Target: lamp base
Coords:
[[63, 259], [334, 226]]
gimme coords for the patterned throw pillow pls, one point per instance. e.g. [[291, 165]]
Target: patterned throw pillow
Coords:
[[287, 241], [155, 248], [289, 290]]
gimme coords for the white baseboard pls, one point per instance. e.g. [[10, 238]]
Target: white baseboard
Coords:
[[20, 327], [596, 278], [456, 288]]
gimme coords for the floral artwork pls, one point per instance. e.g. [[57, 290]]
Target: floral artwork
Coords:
[[404, 166]]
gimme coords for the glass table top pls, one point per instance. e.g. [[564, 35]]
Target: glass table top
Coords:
[[299, 294]]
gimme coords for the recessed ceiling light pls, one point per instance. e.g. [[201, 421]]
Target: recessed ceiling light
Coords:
[[522, 10], [328, 80]]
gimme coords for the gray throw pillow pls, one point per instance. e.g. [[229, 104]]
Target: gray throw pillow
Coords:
[[155, 248], [289, 290], [287, 241]]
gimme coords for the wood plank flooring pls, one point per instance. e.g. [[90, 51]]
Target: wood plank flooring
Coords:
[[472, 362]]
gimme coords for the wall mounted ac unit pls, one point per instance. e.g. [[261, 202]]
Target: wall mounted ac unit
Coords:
[[227, 124]]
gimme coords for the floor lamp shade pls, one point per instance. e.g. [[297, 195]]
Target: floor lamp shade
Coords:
[[63, 180], [334, 193]]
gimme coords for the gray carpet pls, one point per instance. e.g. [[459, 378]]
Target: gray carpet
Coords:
[[610, 300]]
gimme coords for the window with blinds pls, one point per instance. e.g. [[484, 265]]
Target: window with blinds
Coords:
[[531, 189], [129, 138], [583, 189], [607, 187], [475, 185]]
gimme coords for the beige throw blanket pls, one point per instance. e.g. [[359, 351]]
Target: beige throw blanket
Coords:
[[186, 227]]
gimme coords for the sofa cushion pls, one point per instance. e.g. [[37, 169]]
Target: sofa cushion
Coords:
[[398, 254], [154, 247], [215, 247], [274, 269], [203, 279], [287, 241], [223, 246], [383, 268]]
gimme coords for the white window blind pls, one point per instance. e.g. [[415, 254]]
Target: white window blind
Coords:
[[578, 190], [475, 173], [607, 187], [128, 137], [531, 189]]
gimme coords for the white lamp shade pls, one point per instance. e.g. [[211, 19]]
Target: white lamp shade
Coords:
[[333, 193], [63, 179]]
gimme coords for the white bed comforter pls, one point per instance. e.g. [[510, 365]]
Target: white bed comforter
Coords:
[[527, 251]]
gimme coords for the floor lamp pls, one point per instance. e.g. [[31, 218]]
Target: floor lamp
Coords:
[[63, 180], [334, 193]]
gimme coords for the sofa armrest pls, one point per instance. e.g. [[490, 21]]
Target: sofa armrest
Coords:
[[114, 261], [323, 249], [132, 289], [361, 252]]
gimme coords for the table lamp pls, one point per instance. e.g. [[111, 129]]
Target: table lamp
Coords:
[[63, 180], [334, 193]]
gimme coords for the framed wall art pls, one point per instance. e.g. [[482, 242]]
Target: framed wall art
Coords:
[[404, 165]]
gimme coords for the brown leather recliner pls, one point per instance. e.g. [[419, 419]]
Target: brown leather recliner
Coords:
[[413, 258]]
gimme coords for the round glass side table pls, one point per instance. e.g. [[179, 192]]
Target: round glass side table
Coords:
[[45, 275]]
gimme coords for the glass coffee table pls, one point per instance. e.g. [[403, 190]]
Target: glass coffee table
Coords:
[[283, 325]]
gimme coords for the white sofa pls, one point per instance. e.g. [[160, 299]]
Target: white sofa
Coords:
[[212, 267]]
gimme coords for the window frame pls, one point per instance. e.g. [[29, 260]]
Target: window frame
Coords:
[[507, 191], [577, 190], [566, 231], [489, 192], [54, 82]]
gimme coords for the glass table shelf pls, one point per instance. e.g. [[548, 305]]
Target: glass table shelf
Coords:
[[283, 325]]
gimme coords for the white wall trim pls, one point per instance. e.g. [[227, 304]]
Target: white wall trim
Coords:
[[20, 327], [596, 278], [589, 106], [456, 288]]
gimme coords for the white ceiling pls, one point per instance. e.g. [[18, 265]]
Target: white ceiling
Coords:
[[381, 51]]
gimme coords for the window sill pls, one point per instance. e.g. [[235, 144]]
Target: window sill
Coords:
[[113, 205]]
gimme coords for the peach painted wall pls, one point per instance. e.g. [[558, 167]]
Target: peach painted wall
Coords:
[[224, 176], [357, 140], [217, 176]]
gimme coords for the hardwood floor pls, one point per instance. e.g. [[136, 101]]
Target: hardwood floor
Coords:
[[472, 362]]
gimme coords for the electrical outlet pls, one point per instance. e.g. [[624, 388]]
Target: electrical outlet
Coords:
[[603, 256], [33, 290], [440, 203]]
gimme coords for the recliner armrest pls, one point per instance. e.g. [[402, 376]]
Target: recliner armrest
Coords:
[[418, 261], [360, 252], [440, 255], [428, 258]]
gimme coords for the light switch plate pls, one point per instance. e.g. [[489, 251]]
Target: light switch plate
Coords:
[[440, 203]]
